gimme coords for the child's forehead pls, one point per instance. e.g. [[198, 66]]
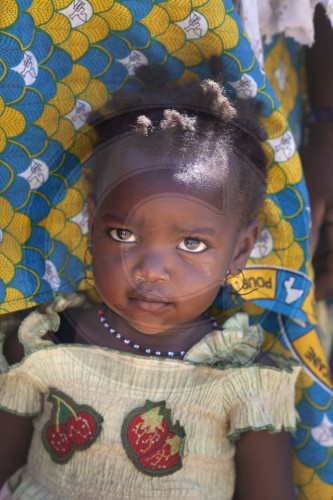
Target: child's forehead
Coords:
[[151, 164], [125, 157], [158, 203], [158, 181], [154, 192], [162, 180]]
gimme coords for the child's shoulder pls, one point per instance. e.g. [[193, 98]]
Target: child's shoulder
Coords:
[[238, 343], [71, 325], [12, 348]]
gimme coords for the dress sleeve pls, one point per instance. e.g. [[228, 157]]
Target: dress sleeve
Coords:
[[19, 392], [262, 398]]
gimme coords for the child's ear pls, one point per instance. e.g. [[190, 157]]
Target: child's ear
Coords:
[[247, 238]]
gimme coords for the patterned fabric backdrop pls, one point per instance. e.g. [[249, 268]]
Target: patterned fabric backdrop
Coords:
[[60, 59]]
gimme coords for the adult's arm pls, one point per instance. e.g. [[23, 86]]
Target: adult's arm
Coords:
[[318, 154]]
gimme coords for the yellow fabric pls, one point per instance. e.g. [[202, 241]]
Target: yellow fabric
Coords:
[[212, 404]]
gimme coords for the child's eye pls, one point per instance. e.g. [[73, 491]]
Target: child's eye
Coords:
[[192, 245], [124, 235]]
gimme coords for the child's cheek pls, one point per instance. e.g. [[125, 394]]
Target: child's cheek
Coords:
[[207, 270], [110, 267]]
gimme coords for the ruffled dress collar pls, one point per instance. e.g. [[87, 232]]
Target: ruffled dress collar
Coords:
[[237, 343]]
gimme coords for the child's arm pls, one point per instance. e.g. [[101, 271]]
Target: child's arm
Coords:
[[15, 431], [263, 467], [15, 438]]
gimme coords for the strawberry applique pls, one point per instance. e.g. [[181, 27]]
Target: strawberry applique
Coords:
[[71, 427], [151, 441]]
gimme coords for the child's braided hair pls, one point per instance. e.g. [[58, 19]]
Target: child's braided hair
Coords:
[[216, 136]]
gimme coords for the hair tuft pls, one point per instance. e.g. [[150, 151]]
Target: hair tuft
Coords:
[[143, 125], [175, 119]]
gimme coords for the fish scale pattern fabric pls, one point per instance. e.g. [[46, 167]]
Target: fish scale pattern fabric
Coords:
[[61, 59]]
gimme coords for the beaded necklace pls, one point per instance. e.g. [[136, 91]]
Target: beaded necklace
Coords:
[[146, 350]]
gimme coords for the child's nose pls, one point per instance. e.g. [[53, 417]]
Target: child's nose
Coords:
[[152, 267]]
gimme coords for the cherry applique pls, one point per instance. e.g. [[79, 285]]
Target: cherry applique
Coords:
[[151, 441], [71, 427]]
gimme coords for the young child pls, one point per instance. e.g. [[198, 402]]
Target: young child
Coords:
[[147, 396]]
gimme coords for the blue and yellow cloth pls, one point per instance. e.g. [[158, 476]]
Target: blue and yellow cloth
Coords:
[[60, 59]]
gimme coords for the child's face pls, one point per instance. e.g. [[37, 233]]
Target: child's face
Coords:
[[160, 254]]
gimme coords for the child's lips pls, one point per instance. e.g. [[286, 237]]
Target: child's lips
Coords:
[[150, 304]]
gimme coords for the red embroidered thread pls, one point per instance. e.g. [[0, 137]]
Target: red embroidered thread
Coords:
[[151, 441]]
